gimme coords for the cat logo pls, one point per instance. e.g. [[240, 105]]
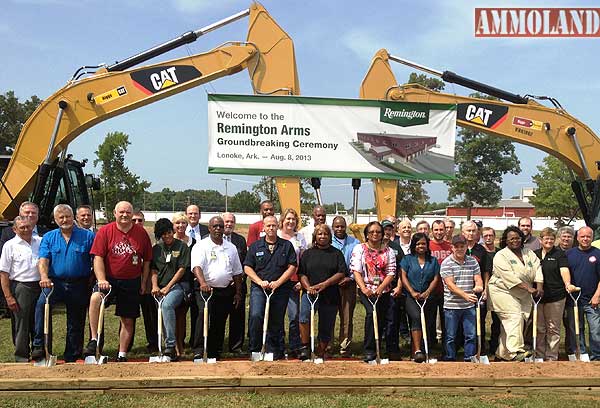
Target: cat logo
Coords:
[[157, 79], [482, 114], [164, 79]]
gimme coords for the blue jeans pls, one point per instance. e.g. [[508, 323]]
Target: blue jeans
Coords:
[[294, 342], [586, 312], [453, 318], [173, 299], [258, 300], [593, 318], [75, 297], [327, 314]]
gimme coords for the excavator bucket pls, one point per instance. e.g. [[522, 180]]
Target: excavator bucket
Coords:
[[275, 72]]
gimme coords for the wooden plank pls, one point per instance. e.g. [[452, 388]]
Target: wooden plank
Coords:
[[388, 391]]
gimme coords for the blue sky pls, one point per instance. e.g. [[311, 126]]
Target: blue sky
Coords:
[[45, 41]]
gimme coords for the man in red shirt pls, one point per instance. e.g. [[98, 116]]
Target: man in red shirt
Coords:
[[122, 253], [440, 248], [255, 232]]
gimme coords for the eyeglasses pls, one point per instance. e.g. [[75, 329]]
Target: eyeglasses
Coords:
[[375, 232], [138, 220]]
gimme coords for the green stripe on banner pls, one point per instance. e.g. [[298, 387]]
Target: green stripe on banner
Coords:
[[333, 174], [308, 100]]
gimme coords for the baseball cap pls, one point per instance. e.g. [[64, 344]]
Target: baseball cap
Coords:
[[387, 223], [458, 239]]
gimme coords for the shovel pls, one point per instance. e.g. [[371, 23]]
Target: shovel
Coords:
[[479, 358], [205, 359], [378, 360], [262, 355], [424, 330], [49, 360], [578, 356], [533, 358], [161, 358], [313, 358], [98, 359]]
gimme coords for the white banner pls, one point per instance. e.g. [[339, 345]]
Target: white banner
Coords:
[[324, 137]]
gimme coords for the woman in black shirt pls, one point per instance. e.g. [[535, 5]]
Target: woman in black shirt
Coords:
[[321, 268], [550, 310]]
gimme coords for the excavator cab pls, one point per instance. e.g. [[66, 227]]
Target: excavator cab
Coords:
[[64, 182]]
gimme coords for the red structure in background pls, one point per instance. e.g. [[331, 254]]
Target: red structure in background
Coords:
[[408, 147], [505, 208]]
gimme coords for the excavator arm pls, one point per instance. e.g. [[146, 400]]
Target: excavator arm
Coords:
[[524, 120], [268, 54]]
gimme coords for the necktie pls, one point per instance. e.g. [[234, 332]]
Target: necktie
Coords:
[[227, 238], [192, 234]]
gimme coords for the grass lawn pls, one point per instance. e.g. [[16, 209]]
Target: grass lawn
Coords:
[[242, 400]]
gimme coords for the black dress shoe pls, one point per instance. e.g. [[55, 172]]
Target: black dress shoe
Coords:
[[369, 357], [90, 349], [37, 354], [121, 359], [304, 354], [419, 357]]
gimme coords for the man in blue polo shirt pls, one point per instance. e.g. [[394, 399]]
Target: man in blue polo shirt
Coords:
[[584, 264], [269, 264], [64, 263]]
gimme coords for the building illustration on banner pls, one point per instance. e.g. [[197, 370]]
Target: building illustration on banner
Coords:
[[402, 153]]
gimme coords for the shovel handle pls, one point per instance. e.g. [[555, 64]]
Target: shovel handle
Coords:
[[47, 318], [478, 319], [101, 318], [205, 325], [375, 325], [576, 318], [424, 327]]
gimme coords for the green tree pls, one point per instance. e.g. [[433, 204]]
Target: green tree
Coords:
[[118, 182], [553, 194], [244, 202], [481, 161], [411, 199], [13, 115], [428, 82]]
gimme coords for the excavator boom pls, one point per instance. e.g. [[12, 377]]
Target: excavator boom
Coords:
[[552, 130], [268, 54]]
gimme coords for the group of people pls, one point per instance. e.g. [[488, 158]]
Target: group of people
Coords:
[[400, 274]]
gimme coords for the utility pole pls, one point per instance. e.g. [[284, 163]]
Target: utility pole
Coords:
[[226, 195]]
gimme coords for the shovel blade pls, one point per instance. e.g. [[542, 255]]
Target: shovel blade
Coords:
[[432, 361], [90, 360], [318, 361], [51, 362], [583, 357], [159, 359], [255, 356]]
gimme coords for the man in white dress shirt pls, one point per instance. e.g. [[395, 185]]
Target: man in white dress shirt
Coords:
[[216, 264], [20, 278]]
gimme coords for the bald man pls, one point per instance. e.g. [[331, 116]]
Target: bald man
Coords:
[[584, 264], [122, 253]]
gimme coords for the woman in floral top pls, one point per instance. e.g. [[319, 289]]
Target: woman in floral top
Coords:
[[288, 229], [374, 266]]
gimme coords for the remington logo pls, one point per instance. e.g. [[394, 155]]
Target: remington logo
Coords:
[[389, 113], [404, 114]]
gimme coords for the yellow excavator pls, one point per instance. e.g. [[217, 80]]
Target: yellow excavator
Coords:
[[40, 169], [519, 118]]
